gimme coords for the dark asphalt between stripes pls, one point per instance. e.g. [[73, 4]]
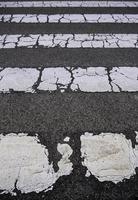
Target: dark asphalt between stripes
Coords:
[[66, 10], [61, 57], [66, 28], [68, 112]]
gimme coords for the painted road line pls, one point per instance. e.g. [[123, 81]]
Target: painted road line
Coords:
[[99, 79], [70, 41], [25, 164], [108, 156], [69, 4], [70, 18]]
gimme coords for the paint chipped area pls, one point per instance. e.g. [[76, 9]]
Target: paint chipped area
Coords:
[[108, 156], [25, 164], [66, 79], [69, 41]]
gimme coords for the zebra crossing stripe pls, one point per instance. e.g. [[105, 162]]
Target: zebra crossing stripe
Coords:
[[70, 41], [26, 164], [62, 79], [70, 18], [69, 4]]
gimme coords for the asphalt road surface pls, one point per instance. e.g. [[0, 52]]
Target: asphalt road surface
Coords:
[[68, 100]]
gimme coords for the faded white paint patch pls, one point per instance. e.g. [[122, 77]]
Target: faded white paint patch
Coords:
[[108, 156], [69, 4], [25, 164]]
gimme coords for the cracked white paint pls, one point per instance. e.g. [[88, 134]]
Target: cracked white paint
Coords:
[[70, 41], [91, 79], [25, 164], [69, 4], [17, 79], [54, 79], [108, 156], [125, 79], [70, 18]]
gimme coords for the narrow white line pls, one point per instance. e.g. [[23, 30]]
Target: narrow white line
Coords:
[[69, 4], [70, 41], [62, 79], [71, 18]]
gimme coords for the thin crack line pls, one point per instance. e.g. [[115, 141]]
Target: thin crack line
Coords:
[[39, 80]]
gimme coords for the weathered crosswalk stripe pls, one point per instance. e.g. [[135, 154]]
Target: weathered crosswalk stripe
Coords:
[[25, 164], [91, 79], [69, 4], [70, 18], [84, 95], [70, 41], [108, 156]]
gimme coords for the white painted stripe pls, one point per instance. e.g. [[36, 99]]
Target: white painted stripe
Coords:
[[71, 18], [108, 156], [62, 79], [69, 4], [70, 41], [24, 164]]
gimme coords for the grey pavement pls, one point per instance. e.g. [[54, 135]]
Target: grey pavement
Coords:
[[55, 115]]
